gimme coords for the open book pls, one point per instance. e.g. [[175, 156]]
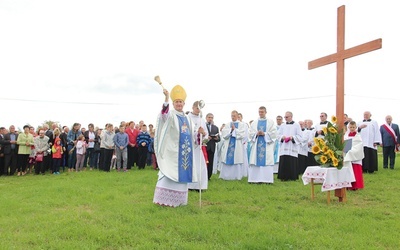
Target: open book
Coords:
[[348, 145]]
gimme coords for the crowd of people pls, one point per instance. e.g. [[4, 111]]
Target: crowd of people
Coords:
[[48, 149], [188, 149]]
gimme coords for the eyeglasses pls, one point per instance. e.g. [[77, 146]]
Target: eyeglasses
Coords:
[[287, 116]]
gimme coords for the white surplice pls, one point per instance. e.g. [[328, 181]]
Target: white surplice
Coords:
[[199, 162]]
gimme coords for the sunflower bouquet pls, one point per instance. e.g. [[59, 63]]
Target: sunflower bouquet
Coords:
[[328, 151]]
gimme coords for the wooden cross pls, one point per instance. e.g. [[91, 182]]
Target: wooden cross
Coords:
[[339, 58]]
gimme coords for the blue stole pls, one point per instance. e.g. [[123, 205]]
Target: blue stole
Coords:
[[261, 144], [185, 154], [230, 155]]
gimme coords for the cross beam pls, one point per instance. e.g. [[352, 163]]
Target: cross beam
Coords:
[[339, 57]]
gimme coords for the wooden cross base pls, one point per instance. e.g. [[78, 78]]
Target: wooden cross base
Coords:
[[340, 193]]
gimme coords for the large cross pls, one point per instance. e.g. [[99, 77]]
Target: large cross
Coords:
[[339, 58]]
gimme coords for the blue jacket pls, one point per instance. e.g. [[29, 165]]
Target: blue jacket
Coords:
[[143, 137], [387, 139]]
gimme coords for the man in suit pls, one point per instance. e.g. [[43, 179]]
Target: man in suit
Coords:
[[390, 142], [10, 151], [213, 138]]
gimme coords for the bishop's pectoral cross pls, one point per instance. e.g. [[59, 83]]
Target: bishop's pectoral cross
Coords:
[[339, 58]]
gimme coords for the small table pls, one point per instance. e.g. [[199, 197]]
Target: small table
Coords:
[[330, 178]]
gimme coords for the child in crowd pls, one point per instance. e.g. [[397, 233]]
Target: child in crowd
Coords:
[[80, 152], [143, 140], [57, 155]]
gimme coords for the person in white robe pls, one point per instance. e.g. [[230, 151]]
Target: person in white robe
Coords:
[[232, 151], [353, 157], [245, 142], [263, 134], [279, 120], [371, 137], [310, 138], [319, 132], [218, 157], [290, 139], [173, 145], [199, 162], [303, 148]]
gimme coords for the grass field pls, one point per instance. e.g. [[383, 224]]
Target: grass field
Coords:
[[98, 210]]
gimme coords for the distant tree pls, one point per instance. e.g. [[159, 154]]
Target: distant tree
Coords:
[[50, 123]]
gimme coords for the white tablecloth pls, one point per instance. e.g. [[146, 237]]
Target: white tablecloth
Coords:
[[331, 178]]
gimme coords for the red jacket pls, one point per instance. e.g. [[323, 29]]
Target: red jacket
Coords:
[[132, 135]]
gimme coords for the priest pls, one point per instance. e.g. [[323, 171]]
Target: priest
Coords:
[[290, 138], [263, 134], [173, 146], [232, 150], [199, 162], [371, 138]]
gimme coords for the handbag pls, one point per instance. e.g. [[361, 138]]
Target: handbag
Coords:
[[71, 151], [39, 157], [97, 147]]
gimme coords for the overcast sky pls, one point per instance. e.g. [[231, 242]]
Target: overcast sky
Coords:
[[95, 61]]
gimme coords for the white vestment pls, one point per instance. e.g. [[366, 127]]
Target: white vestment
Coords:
[[169, 191], [310, 138], [199, 162], [303, 147], [232, 171], [370, 134], [263, 173], [246, 143], [290, 148], [356, 153], [319, 127]]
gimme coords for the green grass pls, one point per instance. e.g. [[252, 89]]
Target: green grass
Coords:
[[97, 210]]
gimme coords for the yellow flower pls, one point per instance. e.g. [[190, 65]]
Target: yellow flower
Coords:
[[315, 149], [325, 130], [319, 141], [324, 159], [332, 130], [325, 149], [331, 154], [335, 162], [334, 119]]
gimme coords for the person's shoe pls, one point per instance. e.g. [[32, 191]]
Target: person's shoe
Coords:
[[19, 173], [54, 173]]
